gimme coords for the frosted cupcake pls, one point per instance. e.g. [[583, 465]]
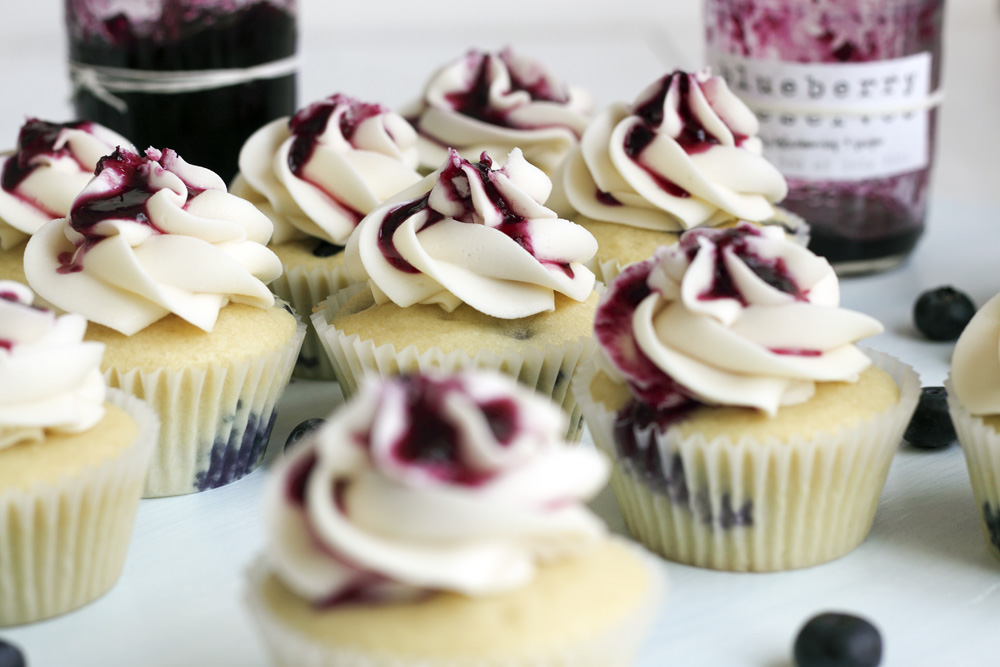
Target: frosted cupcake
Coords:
[[39, 180], [685, 154], [316, 175], [439, 520], [494, 102], [172, 272], [466, 269], [748, 431], [974, 403], [73, 459]]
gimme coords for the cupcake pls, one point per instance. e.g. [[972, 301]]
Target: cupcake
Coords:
[[73, 459], [315, 175], [748, 431], [439, 520], [38, 181], [494, 102], [466, 269], [685, 154], [974, 404], [171, 271]]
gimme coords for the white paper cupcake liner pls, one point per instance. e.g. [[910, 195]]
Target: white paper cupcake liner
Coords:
[[615, 646], [548, 370], [303, 289], [749, 505], [63, 545], [981, 447], [216, 420]]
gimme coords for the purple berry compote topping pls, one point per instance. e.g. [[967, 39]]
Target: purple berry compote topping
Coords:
[[37, 138], [309, 124]]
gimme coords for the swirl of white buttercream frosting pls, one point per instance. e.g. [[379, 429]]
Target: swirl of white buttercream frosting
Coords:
[[741, 317], [57, 160], [494, 102], [685, 154], [150, 236], [423, 483], [975, 362], [50, 379], [318, 173], [475, 234]]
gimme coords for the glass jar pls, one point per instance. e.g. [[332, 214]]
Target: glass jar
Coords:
[[846, 92], [198, 76]]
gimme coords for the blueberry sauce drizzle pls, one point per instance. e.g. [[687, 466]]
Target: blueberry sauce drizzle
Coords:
[[309, 124], [36, 138], [126, 201]]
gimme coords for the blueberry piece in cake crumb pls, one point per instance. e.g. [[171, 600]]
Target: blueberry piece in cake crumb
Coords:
[[838, 640], [302, 430], [942, 313], [931, 426], [10, 655]]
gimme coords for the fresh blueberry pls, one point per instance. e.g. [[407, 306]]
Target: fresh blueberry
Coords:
[[302, 430], [10, 655], [942, 313], [838, 640], [931, 425]]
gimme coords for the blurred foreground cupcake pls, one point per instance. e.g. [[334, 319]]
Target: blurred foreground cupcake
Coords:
[[439, 520], [685, 154], [172, 272], [495, 102], [748, 432], [316, 175], [73, 460], [467, 269], [40, 178], [974, 403]]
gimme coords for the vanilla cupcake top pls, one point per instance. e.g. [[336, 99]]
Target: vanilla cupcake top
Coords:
[[739, 316], [149, 236], [496, 101], [328, 166], [476, 234], [684, 154], [975, 362], [50, 380], [51, 165], [431, 483]]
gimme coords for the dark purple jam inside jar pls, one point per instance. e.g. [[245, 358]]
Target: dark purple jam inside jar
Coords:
[[207, 126], [860, 220]]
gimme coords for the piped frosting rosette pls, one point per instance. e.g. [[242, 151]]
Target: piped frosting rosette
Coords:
[[496, 101], [431, 483], [149, 236], [153, 237], [974, 402], [53, 162], [50, 379], [746, 323]]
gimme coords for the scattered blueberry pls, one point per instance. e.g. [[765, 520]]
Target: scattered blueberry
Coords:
[[838, 640], [942, 313], [931, 425], [302, 430], [10, 655]]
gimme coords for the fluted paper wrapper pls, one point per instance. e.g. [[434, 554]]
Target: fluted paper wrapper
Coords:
[[981, 447], [756, 506], [216, 419], [548, 370], [303, 289], [615, 646], [64, 544]]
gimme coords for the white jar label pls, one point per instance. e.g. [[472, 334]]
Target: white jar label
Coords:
[[836, 121]]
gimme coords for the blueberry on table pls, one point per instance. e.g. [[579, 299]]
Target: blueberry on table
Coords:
[[931, 426], [301, 431], [10, 655], [942, 313], [838, 640]]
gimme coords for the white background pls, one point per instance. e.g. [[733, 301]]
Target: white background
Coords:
[[923, 575]]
